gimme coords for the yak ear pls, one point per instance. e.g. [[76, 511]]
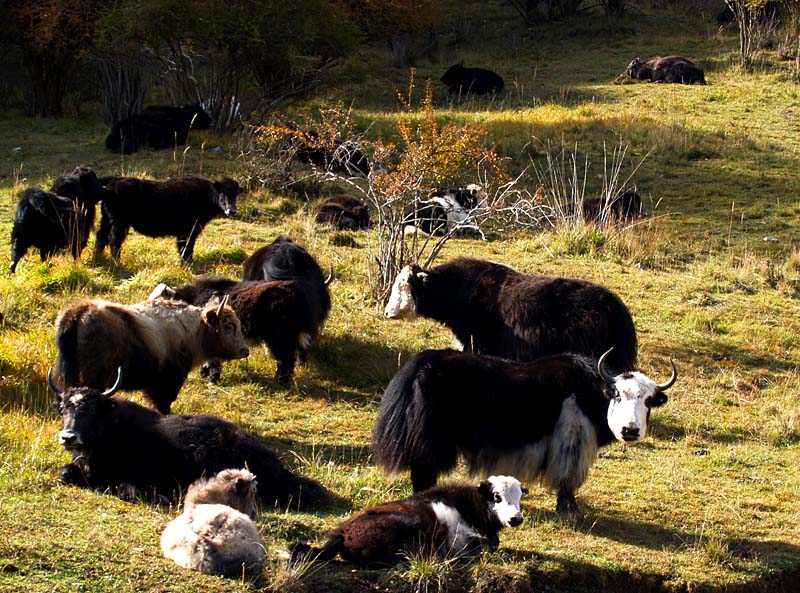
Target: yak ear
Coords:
[[211, 312], [487, 490], [422, 276], [659, 398]]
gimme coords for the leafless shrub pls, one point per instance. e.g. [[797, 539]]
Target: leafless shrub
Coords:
[[757, 27]]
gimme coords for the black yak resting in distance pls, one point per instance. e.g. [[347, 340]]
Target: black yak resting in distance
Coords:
[[540, 420], [495, 310], [128, 450], [156, 343], [452, 520], [670, 69], [55, 220], [178, 208], [157, 126], [476, 81]]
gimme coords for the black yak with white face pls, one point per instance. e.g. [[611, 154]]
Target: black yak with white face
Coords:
[[344, 212], [215, 533], [129, 450], [671, 69], [453, 520], [279, 314], [476, 81], [178, 208], [157, 126], [542, 420], [156, 343], [495, 310], [59, 219]]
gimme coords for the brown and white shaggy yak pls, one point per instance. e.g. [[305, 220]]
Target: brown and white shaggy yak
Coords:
[[156, 343]]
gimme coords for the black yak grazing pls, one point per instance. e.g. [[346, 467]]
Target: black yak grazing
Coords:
[[477, 81], [156, 343], [671, 69], [178, 208], [543, 419], [625, 206], [495, 310], [157, 126], [215, 533], [129, 450], [452, 520], [59, 219], [279, 314]]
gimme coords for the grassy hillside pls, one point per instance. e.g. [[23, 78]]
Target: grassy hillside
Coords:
[[709, 502]]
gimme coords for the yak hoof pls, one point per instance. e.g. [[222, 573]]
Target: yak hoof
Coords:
[[283, 379]]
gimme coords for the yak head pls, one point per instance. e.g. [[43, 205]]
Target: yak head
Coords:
[[454, 75], [503, 493], [223, 331], [198, 118], [235, 488], [227, 191], [82, 410], [632, 395], [633, 68], [402, 304]]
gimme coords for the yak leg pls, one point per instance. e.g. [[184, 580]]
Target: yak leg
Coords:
[[186, 244], [116, 236], [103, 232], [18, 250], [72, 474], [165, 391], [282, 345]]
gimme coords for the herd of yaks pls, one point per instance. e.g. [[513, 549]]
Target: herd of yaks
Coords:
[[546, 376]]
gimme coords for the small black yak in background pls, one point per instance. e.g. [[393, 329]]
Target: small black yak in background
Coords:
[[344, 212], [157, 126], [59, 219], [672, 69], [476, 81], [454, 520], [178, 208], [625, 206], [129, 450]]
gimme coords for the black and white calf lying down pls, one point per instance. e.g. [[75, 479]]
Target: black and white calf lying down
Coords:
[[452, 520], [444, 211], [215, 533], [129, 450], [493, 309], [537, 420]]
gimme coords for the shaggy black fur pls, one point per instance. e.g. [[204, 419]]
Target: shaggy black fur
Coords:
[[130, 450], [277, 313], [495, 310], [179, 208], [626, 206], [478, 81], [157, 126], [59, 219]]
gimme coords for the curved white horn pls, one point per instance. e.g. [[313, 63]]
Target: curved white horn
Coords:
[[113, 389], [601, 366], [671, 381], [52, 383]]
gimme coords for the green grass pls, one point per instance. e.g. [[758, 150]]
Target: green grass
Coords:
[[709, 502]]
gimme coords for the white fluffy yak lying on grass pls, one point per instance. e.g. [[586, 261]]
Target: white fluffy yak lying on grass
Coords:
[[215, 534]]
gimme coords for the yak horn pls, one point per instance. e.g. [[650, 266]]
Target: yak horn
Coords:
[[601, 366], [329, 279], [222, 304], [671, 381], [113, 389], [52, 383]]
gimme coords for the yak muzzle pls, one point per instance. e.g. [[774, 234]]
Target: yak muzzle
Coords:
[[69, 439]]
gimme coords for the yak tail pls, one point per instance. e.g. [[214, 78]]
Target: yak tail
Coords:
[[406, 434], [67, 342], [304, 553]]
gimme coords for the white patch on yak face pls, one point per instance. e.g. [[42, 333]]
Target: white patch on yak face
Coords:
[[401, 302], [507, 494], [628, 411]]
